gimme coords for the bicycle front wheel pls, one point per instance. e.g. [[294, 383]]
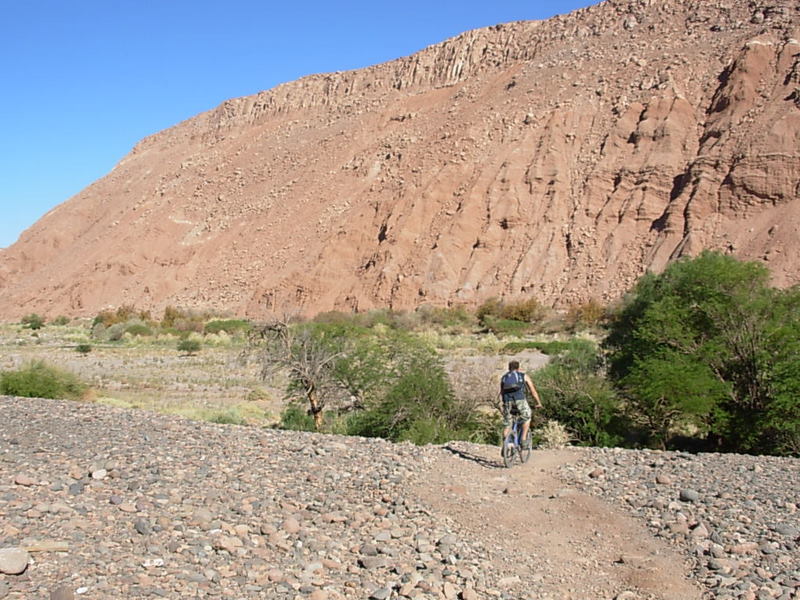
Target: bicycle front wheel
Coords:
[[508, 452]]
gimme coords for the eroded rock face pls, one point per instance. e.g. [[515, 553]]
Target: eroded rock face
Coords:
[[559, 159]]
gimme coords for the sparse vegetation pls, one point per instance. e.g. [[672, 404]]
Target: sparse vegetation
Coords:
[[704, 355]]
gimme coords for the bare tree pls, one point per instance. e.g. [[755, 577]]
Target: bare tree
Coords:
[[307, 359]]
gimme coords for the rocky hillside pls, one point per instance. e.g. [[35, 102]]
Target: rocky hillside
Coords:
[[559, 159], [98, 502]]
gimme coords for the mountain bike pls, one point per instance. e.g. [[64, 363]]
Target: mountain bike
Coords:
[[514, 447]]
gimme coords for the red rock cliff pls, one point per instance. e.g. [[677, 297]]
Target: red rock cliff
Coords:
[[559, 159]]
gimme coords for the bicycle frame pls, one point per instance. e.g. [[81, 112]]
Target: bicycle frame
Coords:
[[513, 445]]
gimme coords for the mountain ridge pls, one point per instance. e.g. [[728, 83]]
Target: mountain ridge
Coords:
[[557, 158]]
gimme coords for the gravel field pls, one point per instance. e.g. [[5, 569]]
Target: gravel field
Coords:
[[102, 502], [735, 515]]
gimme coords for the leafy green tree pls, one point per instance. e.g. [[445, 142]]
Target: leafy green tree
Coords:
[[669, 390], [411, 399], [710, 340]]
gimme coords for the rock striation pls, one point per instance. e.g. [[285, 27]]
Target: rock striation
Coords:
[[560, 159]]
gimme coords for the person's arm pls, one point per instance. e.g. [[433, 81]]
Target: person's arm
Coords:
[[533, 391]]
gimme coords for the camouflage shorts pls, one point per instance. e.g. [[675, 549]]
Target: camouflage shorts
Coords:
[[522, 407]]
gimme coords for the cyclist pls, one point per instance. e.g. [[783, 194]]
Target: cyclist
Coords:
[[512, 393]]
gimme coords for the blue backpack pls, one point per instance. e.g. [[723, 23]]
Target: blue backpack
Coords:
[[512, 385]]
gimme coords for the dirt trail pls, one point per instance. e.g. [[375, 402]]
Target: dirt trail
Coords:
[[555, 542]]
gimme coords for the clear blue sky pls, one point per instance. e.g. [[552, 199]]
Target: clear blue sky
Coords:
[[84, 80]]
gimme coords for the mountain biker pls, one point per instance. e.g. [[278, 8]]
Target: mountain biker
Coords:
[[512, 392]]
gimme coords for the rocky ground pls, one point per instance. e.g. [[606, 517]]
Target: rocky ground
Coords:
[[100, 502], [736, 516]]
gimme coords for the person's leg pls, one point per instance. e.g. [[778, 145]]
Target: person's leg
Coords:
[[506, 425], [525, 414], [525, 428]]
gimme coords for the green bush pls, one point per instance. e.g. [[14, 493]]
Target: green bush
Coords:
[[33, 321], [184, 320], [61, 320], [40, 380], [139, 329], [495, 311], [115, 333], [226, 417], [374, 382], [492, 307], [189, 346], [83, 348], [296, 418], [576, 393], [500, 326]]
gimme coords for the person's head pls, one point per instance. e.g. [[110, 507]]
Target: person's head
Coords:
[[513, 365]]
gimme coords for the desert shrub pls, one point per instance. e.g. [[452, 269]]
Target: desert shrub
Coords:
[[40, 380], [257, 395], [229, 326], [188, 325], [83, 348], [124, 313], [588, 314], [226, 417], [527, 311], [551, 435], [32, 321], [114, 333], [455, 318], [375, 382], [414, 401], [184, 320], [137, 328], [61, 320], [475, 398], [491, 307], [189, 346]]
